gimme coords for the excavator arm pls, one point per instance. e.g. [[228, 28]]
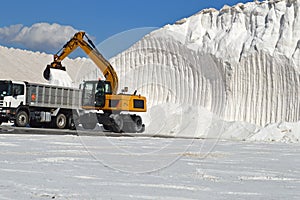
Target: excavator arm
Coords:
[[90, 49]]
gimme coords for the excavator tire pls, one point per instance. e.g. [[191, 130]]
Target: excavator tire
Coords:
[[89, 126], [134, 125], [107, 127], [88, 121], [137, 124], [118, 123]]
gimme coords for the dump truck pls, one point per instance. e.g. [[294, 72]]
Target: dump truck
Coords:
[[39, 105]]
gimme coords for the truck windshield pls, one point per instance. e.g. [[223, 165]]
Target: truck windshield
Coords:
[[5, 88]]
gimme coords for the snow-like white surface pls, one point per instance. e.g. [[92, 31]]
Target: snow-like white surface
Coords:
[[219, 75], [60, 77], [28, 66], [71, 167], [231, 74]]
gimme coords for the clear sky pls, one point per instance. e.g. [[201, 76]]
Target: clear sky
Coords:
[[20, 21]]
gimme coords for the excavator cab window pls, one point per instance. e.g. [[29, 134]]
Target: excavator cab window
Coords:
[[94, 93], [88, 98], [100, 94], [106, 85]]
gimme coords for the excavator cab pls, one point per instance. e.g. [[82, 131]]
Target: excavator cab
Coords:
[[94, 94]]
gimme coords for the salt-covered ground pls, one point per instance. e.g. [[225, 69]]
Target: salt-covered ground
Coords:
[[72, 167], [241, 64]]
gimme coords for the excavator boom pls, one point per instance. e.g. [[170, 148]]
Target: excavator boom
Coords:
[[90, 49]]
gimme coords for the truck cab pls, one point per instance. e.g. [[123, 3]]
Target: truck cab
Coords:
[[12, 95]]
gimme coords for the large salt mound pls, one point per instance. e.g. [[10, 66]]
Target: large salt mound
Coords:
[[241, 63], [17, 64]]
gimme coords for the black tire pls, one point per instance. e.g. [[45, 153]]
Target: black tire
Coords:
[[127, 128], [118, 123], [106, 127], [137, 125], [22, 119], [61, 121], [73, 122], [88, 120], [89, 126]]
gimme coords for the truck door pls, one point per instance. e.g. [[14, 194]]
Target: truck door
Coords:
[[18, 95]]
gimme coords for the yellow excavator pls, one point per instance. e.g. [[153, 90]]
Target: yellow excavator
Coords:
[[102, 94]]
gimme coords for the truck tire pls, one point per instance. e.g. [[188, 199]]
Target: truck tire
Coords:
[[22, 119], [73, 122], [61, 121]]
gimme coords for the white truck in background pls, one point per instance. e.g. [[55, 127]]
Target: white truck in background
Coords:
[[38, 105]]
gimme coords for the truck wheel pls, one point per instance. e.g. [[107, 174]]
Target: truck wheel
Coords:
[[61, 121], [22, 119], [73, 122], [72, 125]]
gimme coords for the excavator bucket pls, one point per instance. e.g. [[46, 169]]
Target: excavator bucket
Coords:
[[47, 71]]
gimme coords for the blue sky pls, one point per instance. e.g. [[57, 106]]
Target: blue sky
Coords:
[[100, 19]]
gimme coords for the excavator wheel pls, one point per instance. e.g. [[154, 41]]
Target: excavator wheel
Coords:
[[134, 125], [118, 123], [89, 126], [88, 121], [107, 127], [137, 125]]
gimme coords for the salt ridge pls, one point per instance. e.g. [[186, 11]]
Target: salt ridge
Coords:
[[24, 65], [251, 51]]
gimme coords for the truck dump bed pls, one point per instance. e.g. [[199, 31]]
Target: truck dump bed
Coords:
[[53, 96]]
